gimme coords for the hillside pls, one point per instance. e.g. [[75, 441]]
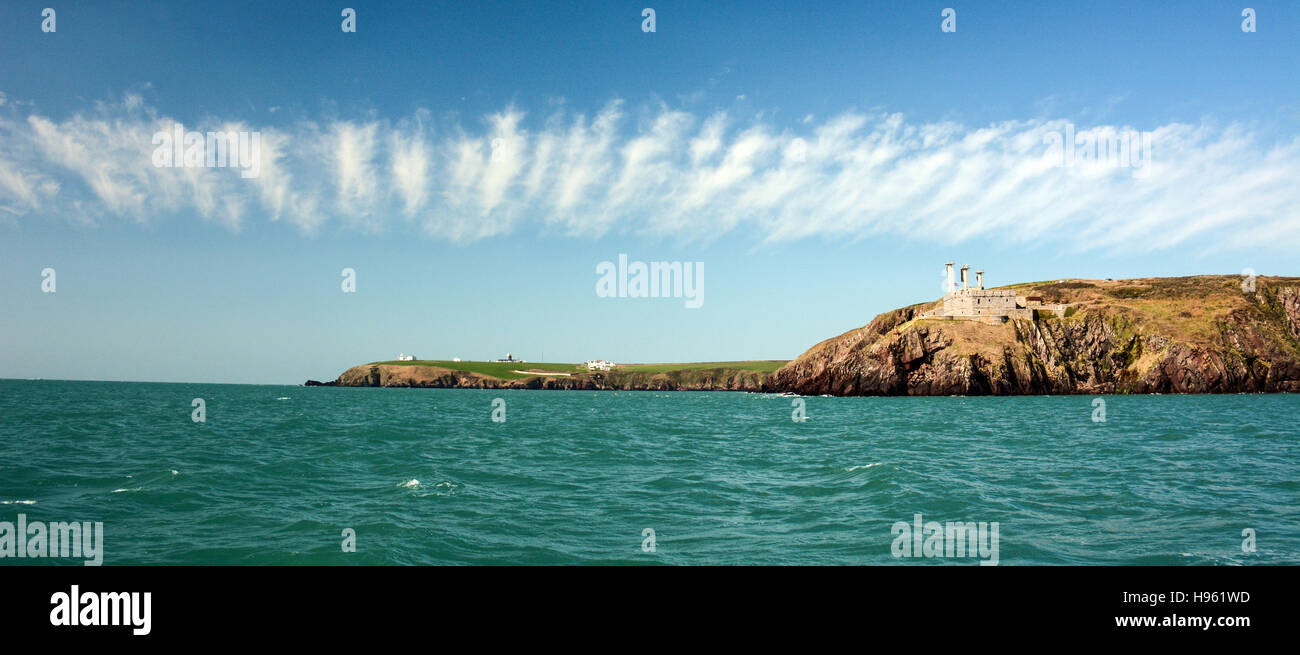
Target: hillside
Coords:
[[1200, 334], [696, 376]]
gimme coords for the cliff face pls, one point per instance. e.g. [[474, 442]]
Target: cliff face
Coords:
[[1158, 335], [433, 377]]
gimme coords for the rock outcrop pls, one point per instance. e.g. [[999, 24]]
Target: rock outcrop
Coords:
[[1202, 334], [1199, 334], [434, 377]]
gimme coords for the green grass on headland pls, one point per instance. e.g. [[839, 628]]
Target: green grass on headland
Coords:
[[759, 366], [506, 370], [501, 370]]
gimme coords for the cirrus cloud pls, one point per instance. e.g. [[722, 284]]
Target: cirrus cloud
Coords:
[[669, 173]]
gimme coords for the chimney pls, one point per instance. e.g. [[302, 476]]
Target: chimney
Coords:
[[965, 278], [979, 279], [950, 287]]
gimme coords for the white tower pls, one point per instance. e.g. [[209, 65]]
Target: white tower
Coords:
[[965, 278], [950, 285], [979, 279]]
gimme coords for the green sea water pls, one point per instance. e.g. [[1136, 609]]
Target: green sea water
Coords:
[[277, 473]]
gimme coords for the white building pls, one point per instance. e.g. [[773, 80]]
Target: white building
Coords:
[[987, 305], [403, 357], [598, 365]]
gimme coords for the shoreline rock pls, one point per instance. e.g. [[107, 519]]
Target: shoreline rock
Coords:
[[1105, 349], [435, 377], [1199, 334]]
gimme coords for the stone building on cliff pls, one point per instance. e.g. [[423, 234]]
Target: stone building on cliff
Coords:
[[993, 306]]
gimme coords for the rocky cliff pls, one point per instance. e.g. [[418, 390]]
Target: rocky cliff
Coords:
[[1201, 334], [434, 377]]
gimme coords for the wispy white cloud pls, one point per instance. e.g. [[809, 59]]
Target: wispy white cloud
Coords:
[[350, 149], [671, 173], [410, 166]]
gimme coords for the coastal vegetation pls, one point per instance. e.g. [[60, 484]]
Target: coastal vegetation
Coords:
[[499, 370], [731, 376], [1198, 334]]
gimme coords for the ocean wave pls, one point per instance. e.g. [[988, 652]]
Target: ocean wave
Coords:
[[862, 466], [706, 471], [443, 489]]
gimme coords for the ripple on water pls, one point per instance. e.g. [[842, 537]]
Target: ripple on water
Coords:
[[575, 477]]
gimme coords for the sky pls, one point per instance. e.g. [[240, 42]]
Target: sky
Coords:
[[473, 164]]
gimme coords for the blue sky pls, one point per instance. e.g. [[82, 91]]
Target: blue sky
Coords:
[[916, 147]]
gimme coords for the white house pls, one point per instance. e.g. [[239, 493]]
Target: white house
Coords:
[[403, 357], [599, 365]]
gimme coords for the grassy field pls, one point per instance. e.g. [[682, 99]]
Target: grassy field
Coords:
[[1185, 309], [759, 366], [501, 370], [506, 370]]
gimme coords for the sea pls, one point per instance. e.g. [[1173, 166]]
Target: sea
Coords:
[[288, 475]]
